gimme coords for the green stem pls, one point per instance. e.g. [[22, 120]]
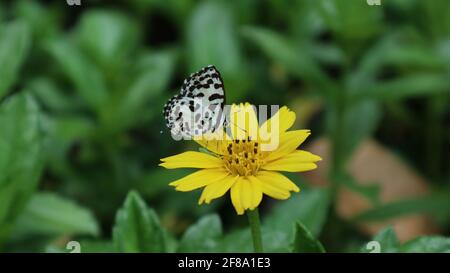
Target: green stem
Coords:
[[337, 143], [434, 137], [255, 226]]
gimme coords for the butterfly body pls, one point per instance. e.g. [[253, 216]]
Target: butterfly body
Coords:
[[198, 108]]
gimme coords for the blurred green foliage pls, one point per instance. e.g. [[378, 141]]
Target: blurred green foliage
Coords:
[[82, 89]]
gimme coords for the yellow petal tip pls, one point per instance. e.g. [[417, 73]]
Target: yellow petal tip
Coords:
[[164, 165]]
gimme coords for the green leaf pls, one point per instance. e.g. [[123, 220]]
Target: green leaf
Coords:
[[43, 21], [309, 207], [436, 17], [305, 18], [295, 60], [85, 76], [360, 121], [304, 241], [397, 49], [212, 39], [52, 98], [237, 241], [62, 132], [20, 155], [427, 244], [50, 214], [412, 57], [14, 46], [72, 128], [352, 23], [371, 63], [107, 37], [157, 181], [387, 239], [411, 85], [154, 71], [90, 246], [202, 236], [137, 227], [370, 192], [274, 241], [434, 203]]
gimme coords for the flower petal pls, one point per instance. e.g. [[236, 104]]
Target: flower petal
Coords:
[[289, 142], [251, 193], [256, 192], [236, 192], [276, 185], [243, 121], [284, 119], [297, 161], [215, 142], [217, 189], [246, 194], [199, 179], [286, 166], [191, 160], [272, 129]]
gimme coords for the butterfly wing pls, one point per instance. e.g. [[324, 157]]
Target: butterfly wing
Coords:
[[206, 83], [198, 109]]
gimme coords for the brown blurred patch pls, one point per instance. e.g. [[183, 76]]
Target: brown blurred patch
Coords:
[[374, 164]]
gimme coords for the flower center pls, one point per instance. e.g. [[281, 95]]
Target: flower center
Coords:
[[243, 157]]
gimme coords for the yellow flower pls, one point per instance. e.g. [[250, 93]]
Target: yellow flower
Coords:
[[239, 162]]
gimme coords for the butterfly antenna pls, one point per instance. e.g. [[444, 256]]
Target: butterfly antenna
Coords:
[[232, 123], [229, 122]]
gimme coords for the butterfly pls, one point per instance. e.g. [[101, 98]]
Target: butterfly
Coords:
[[198, 108]]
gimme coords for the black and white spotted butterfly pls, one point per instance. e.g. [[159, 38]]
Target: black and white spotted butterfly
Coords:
[[198, 108]]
